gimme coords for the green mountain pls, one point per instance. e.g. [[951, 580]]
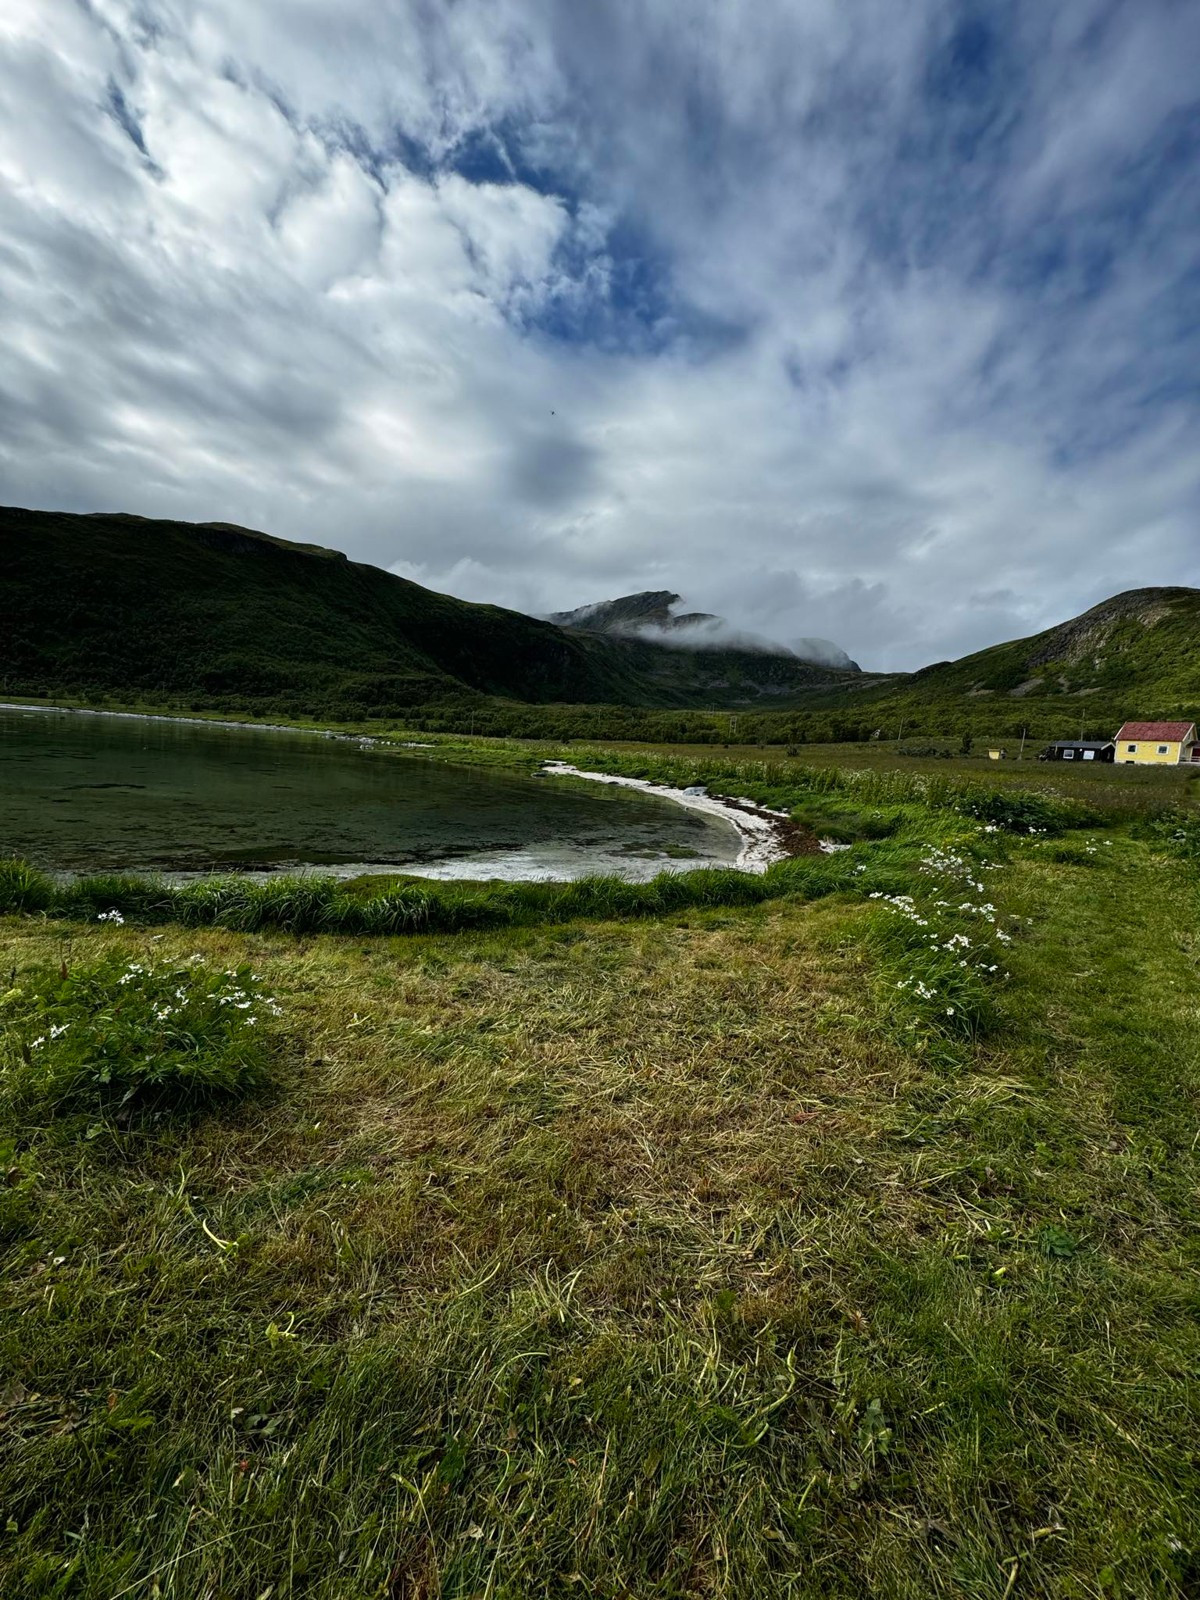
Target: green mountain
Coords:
[[1136, 655], [222, 616], [214, 616], [1145, 640]]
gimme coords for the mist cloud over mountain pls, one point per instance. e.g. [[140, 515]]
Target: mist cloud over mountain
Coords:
[[869, 323], [659, 617], [717, 634]]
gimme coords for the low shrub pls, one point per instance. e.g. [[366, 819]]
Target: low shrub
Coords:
[[134, 1034], [1017, 811], [847, 823], [1174, 830]]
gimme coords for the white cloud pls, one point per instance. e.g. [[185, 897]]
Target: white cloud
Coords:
[[841, 321], [331, 227]]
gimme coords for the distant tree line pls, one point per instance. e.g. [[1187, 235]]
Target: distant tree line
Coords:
[[954, 725]]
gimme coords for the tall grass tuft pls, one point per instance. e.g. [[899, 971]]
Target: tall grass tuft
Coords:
[[311, 904], [23, 888], [144, 899]]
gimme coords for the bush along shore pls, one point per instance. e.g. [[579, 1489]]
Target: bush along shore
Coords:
[[809, 1234]]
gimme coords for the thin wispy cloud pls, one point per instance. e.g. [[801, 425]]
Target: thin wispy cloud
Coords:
[[873, 322]]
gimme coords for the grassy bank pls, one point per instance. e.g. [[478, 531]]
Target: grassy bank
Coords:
[[823, 1234]]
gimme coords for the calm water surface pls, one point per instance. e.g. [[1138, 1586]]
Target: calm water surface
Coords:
[[82, 793]]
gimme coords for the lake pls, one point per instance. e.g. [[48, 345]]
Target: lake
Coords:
[[88, 793]]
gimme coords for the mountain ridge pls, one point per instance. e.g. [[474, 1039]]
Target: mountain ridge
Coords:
[[217, 616], [648, 606], [1111, 645], [120, 604]]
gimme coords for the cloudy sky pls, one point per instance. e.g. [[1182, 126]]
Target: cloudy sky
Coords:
[[855, 318]]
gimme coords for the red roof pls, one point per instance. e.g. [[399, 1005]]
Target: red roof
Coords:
[[1168, 732]]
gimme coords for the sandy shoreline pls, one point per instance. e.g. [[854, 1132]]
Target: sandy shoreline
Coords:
[[764, 833]]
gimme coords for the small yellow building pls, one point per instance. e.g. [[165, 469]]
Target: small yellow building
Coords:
[[1158, 743]]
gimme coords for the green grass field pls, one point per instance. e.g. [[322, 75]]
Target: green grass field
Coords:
[[838, 1244]]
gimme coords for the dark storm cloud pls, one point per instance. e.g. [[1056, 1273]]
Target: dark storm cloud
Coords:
[[872, 322]]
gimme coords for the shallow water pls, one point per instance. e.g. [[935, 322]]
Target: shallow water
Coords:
[[81, 793]]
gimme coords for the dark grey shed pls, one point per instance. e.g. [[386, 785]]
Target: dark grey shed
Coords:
[[1079, 750]]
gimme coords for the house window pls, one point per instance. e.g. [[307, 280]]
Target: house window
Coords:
[[1089, 755], [1162, 749], [1068, 755], [1132, 748]]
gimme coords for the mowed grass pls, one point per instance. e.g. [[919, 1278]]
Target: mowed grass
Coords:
[[661, 1258]]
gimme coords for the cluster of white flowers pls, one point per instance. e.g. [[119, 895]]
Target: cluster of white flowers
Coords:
[[902, 903], [252, 1003], [939, 863], [957, 871], [986, 909], [56, 1032], [918, 988], [113, 916]]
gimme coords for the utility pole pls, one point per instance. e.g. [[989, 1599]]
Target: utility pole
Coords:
[[900, 735], [1021, 757]]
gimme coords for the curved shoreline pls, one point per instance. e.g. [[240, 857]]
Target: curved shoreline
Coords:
[[764, 833], [766, 836]]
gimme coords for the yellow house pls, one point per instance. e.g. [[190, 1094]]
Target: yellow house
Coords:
[[1158, 743]]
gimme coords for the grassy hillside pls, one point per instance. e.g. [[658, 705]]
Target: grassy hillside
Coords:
[[841, 1244], [1145, 640], [223, 616], [1136, 655]]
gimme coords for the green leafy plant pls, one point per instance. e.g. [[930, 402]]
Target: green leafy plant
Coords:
[[1056, 1243], [134, 1034], [1020, 812]]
